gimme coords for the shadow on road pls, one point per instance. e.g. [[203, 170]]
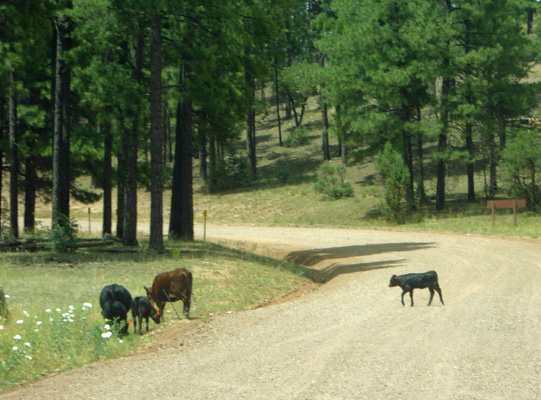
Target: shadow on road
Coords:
[[332, 271], [310, 258]]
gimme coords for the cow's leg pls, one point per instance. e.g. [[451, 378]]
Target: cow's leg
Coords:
[[438, 289], [402, 299], [140, 317], [411, 295], [431, 295], [146, 318], [162, 317]]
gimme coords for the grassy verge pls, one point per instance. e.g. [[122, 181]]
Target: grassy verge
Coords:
[[54, 320]]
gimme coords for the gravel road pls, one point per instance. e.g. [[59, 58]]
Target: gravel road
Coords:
[[350, 338]]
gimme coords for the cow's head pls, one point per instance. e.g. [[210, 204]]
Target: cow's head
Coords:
[[155, 314], [394, 281]]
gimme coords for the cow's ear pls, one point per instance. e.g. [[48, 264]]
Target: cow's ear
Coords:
[[394, 277]]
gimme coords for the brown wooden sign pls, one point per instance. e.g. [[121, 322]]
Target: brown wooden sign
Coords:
[[506, 203], [513, 203]]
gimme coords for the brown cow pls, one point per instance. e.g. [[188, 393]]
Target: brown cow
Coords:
[[171, 286]]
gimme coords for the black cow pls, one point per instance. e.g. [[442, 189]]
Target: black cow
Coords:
[[115, 302], [408, 282], [141, 308]]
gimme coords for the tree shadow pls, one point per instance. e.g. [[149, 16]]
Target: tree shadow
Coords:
[[309, 258], [332, 271], [315, 256]]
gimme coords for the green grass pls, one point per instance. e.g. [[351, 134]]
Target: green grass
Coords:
[[51, 325]]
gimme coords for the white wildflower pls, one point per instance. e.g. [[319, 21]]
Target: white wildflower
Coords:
[[27, 356], [1, 327], [15, 348], [20, 321], [38, 323], [108, 327], [106, 334], [27, 344], [6, 296], [89, 305], [17, 337], [48, 310]]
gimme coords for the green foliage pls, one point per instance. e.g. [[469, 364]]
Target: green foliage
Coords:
[[298, 137], [395, 178], [63, 234], [522, 168], [233, 172], [332, 182]]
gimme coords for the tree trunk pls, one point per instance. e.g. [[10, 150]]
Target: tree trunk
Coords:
[[107, 178], [202, 143], [325, 132], [421, 195], [469, 164], [121, 179], [492, 162], [131, 145], [277, 99], [156, 137], [61, 146], [213, 180], [13, 159], [30, 194], [181, 218], [324, 114], [250, 115]]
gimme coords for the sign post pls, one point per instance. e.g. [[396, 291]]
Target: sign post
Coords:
[[514, 204]]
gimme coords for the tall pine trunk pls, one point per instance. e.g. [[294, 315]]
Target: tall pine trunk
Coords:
[[107, 178], [130, 145], [30, 194], [13, 159], [61, 125], [213, 180], [325, 118], [202, 144], [156, 136], [277, 100], [469, 165], [250, 113], [181, 218]]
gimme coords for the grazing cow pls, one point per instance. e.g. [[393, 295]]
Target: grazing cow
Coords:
[[115, 301], [141, 308], [171, 286], [408, 282]]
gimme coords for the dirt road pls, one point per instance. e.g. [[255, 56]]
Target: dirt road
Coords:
[[351, 338]]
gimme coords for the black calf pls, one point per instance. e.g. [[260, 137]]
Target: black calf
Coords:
[[115, 301], [141, 308], [408, 282]]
